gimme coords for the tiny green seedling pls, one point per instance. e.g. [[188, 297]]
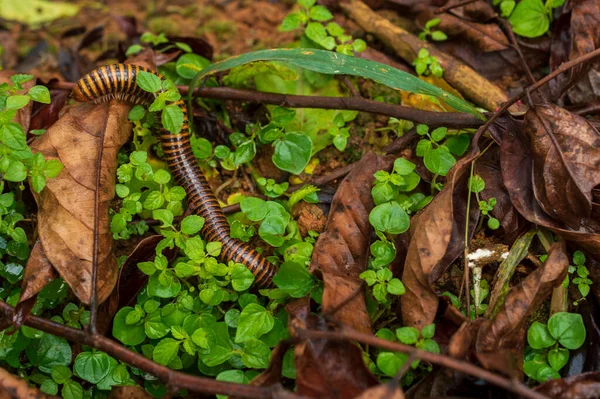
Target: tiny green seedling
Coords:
[[436, 35], [426, 64]]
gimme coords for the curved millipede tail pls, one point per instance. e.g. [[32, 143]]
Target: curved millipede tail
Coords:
[[119, 81]]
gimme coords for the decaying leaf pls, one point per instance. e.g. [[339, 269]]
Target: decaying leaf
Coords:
[[516, 165], [501, 341], [38, 273], [437, 241], [13, 387], [324, 368], [566, 162], [342, 251], [66, 205]]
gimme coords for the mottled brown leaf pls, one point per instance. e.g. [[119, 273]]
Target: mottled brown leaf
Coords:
[[342, 251], [66, 205], [501, 341], [566, 162], [325, 369], [437, 241]]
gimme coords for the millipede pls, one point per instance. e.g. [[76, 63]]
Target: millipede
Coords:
[[119, 81]]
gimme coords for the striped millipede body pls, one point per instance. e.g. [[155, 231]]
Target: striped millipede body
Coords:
[[119, 81]]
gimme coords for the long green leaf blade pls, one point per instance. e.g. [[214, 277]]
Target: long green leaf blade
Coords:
[[329, 62]]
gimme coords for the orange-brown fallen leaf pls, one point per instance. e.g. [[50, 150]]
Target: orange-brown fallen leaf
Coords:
[[342, 251], [129, 392], [437, 240], [66, 206], [324, 368]]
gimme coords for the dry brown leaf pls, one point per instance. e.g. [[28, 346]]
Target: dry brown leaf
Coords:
[[437, 241], [13, 387], [342, 251], [501, 341], [325, 369], [566, 162], [516, 165], [66, 205], [38, 273]]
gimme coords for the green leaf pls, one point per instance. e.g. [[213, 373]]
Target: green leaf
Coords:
[[428, 331], [320, 13], [172, 118], [408, 335], [17, 101], [256, 354], [148, 81], [188, 65], [403, 166], [530, 18], [49, 352], [52, 168], [439, 161], [254, 321], [578, 258], [13, 136], [165, 351], [163, 215], [126, 333], [439, 134], [293, 153], [133, 49], [244, 153], [49, 387], [307, 3], [290, 22], [459, 144], [294, 279], [476, 184], [72, 390], [254, 208], [389, 218], [568, 329], [558, 358], [92, 367], [328, 62], [390, 363], [221, 351], [538, 336], [395, 287], [192, 224], [39, 93], [241, 277], [61, 374], [439, 36]]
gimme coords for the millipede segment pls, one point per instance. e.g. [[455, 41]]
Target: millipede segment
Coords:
[[119, 81]]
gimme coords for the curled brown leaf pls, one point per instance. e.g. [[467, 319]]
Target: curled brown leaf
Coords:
[[342, 251], [66, 205], [438, 239], [566, 162]]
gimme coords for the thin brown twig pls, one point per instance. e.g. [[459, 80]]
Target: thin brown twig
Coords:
[[348, 334], [449, 7], [167, 375], [433, 119]]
